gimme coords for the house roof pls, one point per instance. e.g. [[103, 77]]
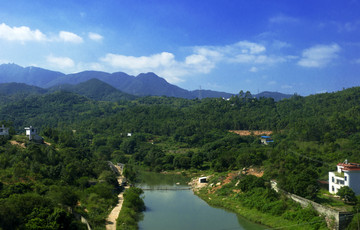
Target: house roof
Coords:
[[265, 137], [350, 166]]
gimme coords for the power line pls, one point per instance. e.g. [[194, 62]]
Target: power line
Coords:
[[312, 159]]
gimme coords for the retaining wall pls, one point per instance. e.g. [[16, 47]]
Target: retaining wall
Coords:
[[335, 220]]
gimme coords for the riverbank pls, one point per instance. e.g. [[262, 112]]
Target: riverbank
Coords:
[[228, 196]]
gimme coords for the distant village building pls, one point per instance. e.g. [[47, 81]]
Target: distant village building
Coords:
[[347, 174], [4, 131], [31, 133], [129, 134], [203, 179], [266, 140]]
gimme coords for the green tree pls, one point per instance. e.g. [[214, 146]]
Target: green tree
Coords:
[[347, 194]]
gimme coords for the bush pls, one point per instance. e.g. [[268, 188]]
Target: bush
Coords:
[[133, 205], [347, 194], [249, 182]]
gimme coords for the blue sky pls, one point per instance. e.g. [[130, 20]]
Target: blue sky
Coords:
[[303, 47]]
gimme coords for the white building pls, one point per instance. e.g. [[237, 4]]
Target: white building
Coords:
[[266, 140], [4, 131], [347, 174], [31, 133], [203, 179]]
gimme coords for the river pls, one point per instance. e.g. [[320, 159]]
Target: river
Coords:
[[181, 209]]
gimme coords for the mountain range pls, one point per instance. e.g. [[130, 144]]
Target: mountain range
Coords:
[[101, 85]]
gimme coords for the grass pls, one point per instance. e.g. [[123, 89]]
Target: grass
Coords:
[[326, 199], [253, 215]]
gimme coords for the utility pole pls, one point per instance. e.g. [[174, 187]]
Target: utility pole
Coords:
[[200, 92], [357, 210]]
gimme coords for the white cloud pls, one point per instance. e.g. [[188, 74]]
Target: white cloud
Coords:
[[60, 62], [202, 60], [250, 47], [139, 63], [22, 33], [280, 44], [352, 26], [287, 87], [272, 83], [70, 37], [163, 64], [253, 69], [200, 63], [95, 36], [281, 19], [319, 55]]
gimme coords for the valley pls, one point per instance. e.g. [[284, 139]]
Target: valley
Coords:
[[69, 171]]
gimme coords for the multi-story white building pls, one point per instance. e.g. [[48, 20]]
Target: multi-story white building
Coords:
[[347, 174]]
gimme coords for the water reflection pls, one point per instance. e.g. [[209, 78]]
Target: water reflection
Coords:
[[181, 209]]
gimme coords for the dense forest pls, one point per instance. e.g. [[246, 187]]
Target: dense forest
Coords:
[[47, 185]]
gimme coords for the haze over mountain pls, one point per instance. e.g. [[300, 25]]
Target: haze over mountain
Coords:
[[104, 88], [20, 88], [96, 90]]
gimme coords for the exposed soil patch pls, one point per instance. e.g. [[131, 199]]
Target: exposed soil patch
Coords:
[[228, 179], [196, 185], [22, 145], [47, 143], [251, 132], [253, 171]]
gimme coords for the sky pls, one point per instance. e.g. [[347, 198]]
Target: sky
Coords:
[[304, 46]]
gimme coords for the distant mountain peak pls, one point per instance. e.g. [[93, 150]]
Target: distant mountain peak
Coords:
[[149, 75], [144, 84]]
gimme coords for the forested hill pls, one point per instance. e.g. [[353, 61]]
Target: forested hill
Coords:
[[95, 89], [309, 118], [311, 135]]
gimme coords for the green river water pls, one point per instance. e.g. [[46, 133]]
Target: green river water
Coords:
[[181, 209]]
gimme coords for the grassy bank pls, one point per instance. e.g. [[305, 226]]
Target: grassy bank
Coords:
[[131, 210], [260, 205]]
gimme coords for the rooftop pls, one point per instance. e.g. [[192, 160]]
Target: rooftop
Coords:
[[350, 166]]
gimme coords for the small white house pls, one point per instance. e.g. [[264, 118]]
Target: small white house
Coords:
[[31, 133], [266, 140], [4, 131], [203, 179], [347, 174]]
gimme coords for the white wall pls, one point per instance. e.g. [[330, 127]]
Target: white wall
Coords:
[[354, 181]]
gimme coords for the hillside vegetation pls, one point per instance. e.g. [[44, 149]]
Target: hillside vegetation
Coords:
[[311, 135]]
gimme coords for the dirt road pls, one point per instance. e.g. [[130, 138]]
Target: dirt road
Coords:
[[111, 219]]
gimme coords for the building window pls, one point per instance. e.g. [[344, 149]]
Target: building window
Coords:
[[345, 178], [332, 188], [340, 182], [332, 179]]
